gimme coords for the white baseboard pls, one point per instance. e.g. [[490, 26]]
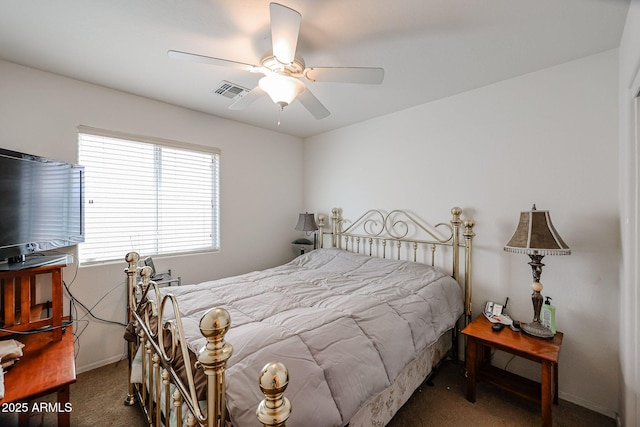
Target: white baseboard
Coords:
[[99, 364], [589, 405]]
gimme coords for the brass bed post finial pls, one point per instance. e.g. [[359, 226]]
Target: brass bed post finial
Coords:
[[213, 357], [275, 409], [468, 237], [132, 259]]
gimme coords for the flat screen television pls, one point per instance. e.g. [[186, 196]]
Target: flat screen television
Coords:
[[41, 205]]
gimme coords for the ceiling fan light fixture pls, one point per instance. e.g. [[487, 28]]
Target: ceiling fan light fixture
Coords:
[[282, 89]]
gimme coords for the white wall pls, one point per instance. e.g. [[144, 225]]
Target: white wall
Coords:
[[548, 138], [629, 88], [39, 114]]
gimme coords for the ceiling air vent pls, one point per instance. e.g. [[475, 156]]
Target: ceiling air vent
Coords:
[[231, 90]]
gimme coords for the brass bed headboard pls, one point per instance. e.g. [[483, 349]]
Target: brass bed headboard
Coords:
[[402, 235]]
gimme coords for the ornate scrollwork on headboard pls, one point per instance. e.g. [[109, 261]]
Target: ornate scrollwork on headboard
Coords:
[[401, 229], [396, 227], [399, 220]]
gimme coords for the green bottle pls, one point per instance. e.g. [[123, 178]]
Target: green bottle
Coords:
[[548, 315]]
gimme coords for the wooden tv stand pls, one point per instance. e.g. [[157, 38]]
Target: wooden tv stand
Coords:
[[19, 311]]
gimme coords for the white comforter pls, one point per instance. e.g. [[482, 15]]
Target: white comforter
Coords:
[[344, 325]]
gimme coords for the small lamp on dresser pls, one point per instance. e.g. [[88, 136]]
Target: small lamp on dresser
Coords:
[[306, 223], [536, 236]]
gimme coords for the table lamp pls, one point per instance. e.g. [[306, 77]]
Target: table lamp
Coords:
[[306, 223], [536, 237]]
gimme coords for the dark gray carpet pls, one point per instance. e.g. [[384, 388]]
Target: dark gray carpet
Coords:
[[98, 397], [444, 404]]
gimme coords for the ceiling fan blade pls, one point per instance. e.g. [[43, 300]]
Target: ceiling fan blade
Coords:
[[312, 104], [363, 75], [285, 26], [209, 60], [248, 99]]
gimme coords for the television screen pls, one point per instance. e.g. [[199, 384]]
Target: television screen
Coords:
[[42, 204]]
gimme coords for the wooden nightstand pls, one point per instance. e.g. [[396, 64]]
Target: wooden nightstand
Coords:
[[481, 339]]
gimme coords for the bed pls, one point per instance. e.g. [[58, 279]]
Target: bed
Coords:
[[359, 325]]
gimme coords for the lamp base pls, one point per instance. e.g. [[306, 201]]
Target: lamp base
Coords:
[[536, 329]]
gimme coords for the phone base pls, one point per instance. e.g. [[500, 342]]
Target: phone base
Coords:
[[502, 318]]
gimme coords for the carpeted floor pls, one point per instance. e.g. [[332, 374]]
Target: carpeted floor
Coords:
[[97, 398], [444, 404]]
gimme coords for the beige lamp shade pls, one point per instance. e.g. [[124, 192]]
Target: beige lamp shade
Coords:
[[536, 234]]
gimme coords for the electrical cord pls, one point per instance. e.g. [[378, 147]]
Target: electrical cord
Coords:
[[509, 362], [73, 300], [38, 330], [73, 309], [89, 310]]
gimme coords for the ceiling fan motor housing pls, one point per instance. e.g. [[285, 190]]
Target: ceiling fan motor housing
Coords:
[[295, 69]]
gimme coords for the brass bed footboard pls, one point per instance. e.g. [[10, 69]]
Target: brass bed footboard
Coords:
[[169, 397]]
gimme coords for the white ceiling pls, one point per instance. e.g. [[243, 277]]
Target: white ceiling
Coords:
[[429, 49]]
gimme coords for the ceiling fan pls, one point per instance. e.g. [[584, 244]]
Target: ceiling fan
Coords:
[[282, 69]]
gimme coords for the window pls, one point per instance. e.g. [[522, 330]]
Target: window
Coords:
[[147, 195]]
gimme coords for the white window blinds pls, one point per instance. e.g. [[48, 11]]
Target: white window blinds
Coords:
[[150, 196]]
